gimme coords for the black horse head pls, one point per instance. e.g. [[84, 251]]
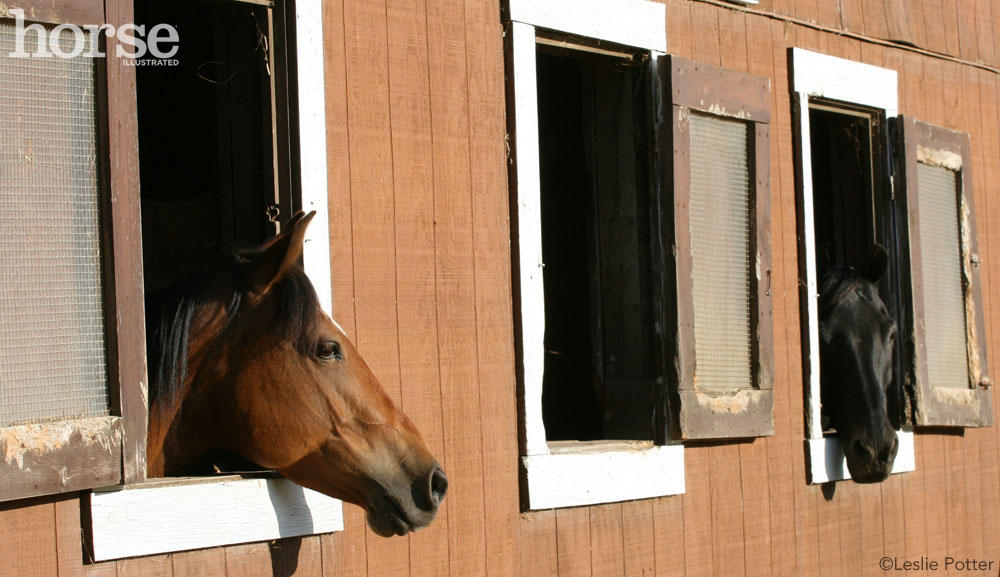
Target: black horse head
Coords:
[[856, 344]]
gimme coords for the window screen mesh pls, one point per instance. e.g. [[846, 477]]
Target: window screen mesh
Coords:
[[720, 241], [940, 256], [52, 357]]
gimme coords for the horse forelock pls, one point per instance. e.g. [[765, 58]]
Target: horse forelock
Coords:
[[837, 283]]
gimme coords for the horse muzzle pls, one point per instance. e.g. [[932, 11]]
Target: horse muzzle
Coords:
[[407, 509]]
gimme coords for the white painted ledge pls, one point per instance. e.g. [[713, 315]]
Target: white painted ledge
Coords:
[[826, 460], [605, 472], [637, 23], [183, 514]]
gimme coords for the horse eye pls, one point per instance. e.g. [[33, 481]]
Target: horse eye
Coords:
[[329, 350]]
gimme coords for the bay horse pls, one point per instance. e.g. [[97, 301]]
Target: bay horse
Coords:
[[245, 363], [857, 336]]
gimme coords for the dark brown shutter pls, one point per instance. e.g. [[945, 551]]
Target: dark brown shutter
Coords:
[[948, 346], [715, 227]]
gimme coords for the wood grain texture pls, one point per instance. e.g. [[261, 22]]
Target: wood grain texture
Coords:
[[639, 538], [198, 563], [538, 546], [28, 538], [413, 184], [77, 12], [607, 544], [573, 544], [347, 554], [493, 289]]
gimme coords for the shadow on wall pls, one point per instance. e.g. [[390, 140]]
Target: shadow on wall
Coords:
[[284, 552]]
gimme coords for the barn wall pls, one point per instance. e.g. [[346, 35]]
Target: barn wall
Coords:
[[421, 279]]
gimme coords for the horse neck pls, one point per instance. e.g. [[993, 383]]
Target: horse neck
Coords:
[[171, 449]]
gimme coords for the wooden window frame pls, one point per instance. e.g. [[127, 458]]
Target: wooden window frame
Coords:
[[74, 455], [112, 528], [816, 75], [696, 413], [566, 474], [932, 406], [107, 454]]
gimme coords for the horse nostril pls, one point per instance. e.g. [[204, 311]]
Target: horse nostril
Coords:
[[439, 486], [861, 450]]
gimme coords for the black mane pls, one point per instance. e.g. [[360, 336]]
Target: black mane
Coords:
[[170, 313]]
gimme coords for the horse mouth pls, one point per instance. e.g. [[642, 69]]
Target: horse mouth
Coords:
[[388, 518]]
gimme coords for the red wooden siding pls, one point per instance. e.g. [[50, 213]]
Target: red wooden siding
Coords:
[[421, 280]]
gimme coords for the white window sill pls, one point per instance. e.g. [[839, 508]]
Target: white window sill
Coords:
[[826, 460], [576, 474], [167, 515]]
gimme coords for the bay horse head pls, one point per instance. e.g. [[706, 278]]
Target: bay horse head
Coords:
[[857, 336], [245, 363]]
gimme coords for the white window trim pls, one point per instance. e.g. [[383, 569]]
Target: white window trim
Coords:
[[583, 473], [821, 75], [636, 23], [184, 514]]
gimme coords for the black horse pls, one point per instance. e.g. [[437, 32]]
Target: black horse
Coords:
[[856, 346]]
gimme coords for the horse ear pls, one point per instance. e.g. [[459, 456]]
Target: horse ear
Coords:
[[280, 254], [877, 265]]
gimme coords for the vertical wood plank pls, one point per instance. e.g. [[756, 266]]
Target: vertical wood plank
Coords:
[[699, 541], [69, 542], [989, 461], [985, 32], [955, 487], [253, 560], [28, 538], [847, 503], [198, 563], [413, 183], [298, 557], [346, 553], [680, 33], [874, 16], [494, 309], [160, 566], [777, 449], [670, 544], [372, 205], [455, 285], [852, 16], [830, 551], [539, 552], [914, 512], [968, 42], [756, 508], [934, 25], [893, 521], [950, 18], [607, 551], [638, 535], [727, 511], [705, 20], [573, 541], [807, 541]]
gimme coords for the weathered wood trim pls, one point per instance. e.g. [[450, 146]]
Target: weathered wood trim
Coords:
[[762, 308], [719, 91], [697, 414], [183, 514], [824, 76], [312, 146], [636, 23], [933, 406], [603, 472], [826, 461], [50, 458], [78, 12], [125, 313]]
